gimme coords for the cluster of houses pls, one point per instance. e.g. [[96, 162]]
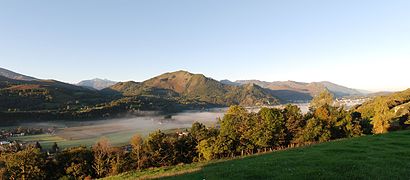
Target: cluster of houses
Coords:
[[7, 141], [18, 132], [183, 133], [350, 102], [6, 134]]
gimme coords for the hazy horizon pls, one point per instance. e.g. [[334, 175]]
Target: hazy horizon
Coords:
[[99, 78], [362, 45]]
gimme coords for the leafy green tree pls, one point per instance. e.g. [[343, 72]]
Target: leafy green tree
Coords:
[[224, 146], [74, 163], [324, 98], [183, 149], [233, 125], [315, 131], [205, 149], [350, 124], [273, 122], [383, 117], [334, 119], [294, 122], [199, 132], [158, 150], [26, 164], [365, 125]]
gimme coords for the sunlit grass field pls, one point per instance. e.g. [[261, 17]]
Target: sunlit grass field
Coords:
[[371, 157]]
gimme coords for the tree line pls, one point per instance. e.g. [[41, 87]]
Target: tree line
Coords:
[[238, 133]]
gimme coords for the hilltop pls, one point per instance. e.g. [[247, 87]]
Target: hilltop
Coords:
[[301, 91], [96, 83], [196, 87]]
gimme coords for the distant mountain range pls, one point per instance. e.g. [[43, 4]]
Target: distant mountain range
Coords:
[[300, 91], [96, 83], [170, 91]]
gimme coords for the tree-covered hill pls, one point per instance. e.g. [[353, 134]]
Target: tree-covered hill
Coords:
[[389, 112], [196, 87], [170, 92], [301, 91], [19, 95]]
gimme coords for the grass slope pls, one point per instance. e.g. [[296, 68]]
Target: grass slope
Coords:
[[384, 156]]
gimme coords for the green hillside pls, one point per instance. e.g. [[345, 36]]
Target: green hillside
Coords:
[[389, 112], [384, 156]]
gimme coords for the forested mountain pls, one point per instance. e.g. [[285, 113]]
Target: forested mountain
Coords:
[[196, 87], [170, 92], [96, 83], [176, 91], [19, 95], [12, 75]]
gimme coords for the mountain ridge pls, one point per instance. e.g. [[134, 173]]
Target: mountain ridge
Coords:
[[198, 87], [308, 89], [34, 94], [16, 76], [96, 83], [168, 92]]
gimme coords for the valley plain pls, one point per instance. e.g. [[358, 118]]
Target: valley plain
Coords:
[[118, 131]]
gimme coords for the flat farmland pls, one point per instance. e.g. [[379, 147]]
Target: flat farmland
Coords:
[[118, 131]]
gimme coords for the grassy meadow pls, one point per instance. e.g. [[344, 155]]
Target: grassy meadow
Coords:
[[384, 156]]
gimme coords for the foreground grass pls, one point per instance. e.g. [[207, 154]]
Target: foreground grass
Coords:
[[372, 157]]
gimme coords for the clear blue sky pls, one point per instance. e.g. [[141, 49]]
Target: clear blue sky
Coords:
[[358, 43]]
